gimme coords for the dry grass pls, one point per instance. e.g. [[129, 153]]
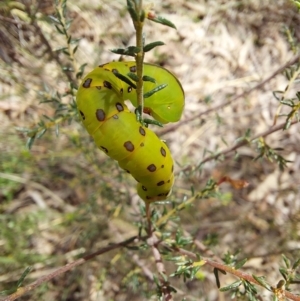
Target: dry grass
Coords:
[[64, 198]]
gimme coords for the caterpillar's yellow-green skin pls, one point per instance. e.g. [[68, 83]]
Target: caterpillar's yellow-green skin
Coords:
[[100, 101], [165, 106]]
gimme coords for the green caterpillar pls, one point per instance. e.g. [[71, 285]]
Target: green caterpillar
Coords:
[[100, 101]]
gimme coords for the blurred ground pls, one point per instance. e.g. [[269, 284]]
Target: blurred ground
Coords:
[[64, 197]]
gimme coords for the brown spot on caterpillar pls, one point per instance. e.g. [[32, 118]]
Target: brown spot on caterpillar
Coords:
[[121, 90], [107, 85], [119, 107], [82, 115], [115, 71], [144, 188], [100, 115], [129, 146], [142, 131], [148, 197], [160, 183], [87, 83], [98, 87], [151, 168], [132, 69], [115, 116], [163, 151], [162, 166], [142, 144], [104, 148], [172, 168], [168, 181], [127, 170], [129, 89]]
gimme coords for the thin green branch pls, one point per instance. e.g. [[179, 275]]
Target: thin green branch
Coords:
[[71, 51], [139, 58], [210, 188]]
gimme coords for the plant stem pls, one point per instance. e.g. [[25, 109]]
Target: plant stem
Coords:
[[138, 25]]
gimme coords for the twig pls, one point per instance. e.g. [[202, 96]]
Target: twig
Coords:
[[245, 142], [53, 55], [138, 25], [148, 217], [13, 21], [240, 144], [22, 290], [243, 94], [165, 289], [230, 270], [200, 194], [142, 266]]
